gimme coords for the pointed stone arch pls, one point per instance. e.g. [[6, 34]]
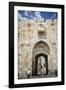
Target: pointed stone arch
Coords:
[[40, 48]]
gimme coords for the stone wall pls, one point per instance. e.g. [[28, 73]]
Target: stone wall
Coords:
[[29, 33]]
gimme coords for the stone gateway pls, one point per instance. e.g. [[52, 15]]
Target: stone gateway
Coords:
[[37, 48]]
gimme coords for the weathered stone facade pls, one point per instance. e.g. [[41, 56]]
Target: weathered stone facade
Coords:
[[34, 37]]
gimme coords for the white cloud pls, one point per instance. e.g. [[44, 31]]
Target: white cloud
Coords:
[[54, 15], [19, 16], [38, 15], [26, 13]]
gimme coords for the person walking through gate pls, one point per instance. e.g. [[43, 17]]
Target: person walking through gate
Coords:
[[43, 63], [28, 73]]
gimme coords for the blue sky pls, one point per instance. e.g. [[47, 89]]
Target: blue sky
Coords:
[[36, 15]]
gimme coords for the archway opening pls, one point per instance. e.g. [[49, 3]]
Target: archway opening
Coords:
[[41, 63], [40, 59]]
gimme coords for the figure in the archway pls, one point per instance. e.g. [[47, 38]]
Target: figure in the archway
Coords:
[[43, 65]]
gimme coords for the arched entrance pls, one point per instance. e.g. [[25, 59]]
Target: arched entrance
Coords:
[[40, 59], [39, 62]]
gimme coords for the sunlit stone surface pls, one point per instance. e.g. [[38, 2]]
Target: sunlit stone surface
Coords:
[[36, 37]]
